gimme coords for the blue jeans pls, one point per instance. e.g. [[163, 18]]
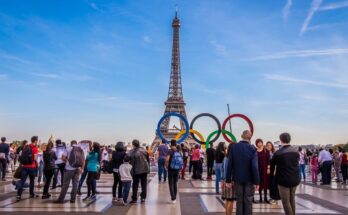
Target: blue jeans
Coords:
[[302, 171], [126, 185], [162, 169], [224, 169], [40, 172], [83, 177], [218, 172], [31, 172]]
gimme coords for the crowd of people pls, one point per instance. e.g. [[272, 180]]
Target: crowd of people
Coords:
[[57, 164], [240, 169], [243, 169]]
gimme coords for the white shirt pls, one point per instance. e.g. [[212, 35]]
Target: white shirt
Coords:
[[39, 157], [85, 147], [201, 154], [125, 172], [105, 155], [59, 153], [324, 156], [302, 158]]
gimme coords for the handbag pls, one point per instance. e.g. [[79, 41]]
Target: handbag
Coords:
[[98, 174], [18, 172], [2, 155]]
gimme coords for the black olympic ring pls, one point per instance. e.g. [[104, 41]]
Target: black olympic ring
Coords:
[[214, 118]]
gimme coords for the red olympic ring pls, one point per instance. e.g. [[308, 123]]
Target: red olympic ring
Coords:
[[251, 127]]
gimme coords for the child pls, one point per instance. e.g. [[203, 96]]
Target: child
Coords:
[[126, 178], [314, 168]]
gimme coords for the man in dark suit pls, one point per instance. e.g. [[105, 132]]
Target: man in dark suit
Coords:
[[243, 170]]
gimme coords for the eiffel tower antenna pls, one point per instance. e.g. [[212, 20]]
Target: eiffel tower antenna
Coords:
[[176, 10]]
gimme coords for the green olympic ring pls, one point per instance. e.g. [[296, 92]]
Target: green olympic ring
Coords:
[[234, 139]]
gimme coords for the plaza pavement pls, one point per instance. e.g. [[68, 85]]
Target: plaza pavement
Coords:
[[195, 197]]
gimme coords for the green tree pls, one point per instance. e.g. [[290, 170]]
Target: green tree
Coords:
[[346, 147]]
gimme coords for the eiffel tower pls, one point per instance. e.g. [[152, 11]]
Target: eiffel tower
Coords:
[[175, 101]]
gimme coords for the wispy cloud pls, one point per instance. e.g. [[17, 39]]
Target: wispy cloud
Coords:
[[314, 98], [334, 6], [314, 7], [47, 75], [219, 48], [15, 58], [117, 102], [3, 77], [94, 6], [276, 77], [147, 39], [286, 10], [326, 25], [301, 54], [42, 84], [259, 103], [103, 98]]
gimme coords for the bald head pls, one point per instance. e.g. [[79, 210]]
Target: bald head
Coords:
[[246, 135]]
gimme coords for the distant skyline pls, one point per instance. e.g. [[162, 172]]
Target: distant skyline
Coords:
[[100, 69]]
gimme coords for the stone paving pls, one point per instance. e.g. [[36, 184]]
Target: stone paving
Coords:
[[195, 197]]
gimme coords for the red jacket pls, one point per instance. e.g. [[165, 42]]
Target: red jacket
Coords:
[[344, 159]]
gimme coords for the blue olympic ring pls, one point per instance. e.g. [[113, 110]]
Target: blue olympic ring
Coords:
[[187, 127]]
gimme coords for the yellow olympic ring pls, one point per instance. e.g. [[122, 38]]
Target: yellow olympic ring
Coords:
[[200, 136]]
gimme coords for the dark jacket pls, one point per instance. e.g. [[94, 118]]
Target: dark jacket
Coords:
[[5, 148], [285, 164], [117, 159], [210, 155], [139, 159], [49, 158], [242, 164]]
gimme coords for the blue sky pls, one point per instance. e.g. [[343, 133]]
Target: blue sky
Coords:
[[100, 69]]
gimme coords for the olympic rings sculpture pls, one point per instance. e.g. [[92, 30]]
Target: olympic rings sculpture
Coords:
[[216, 121], [251, 126], [182, 135], [180, 117], [182, 132], [234, 139]]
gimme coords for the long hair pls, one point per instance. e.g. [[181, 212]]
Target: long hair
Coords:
[[273, 149], [220, 148], [96, 149], [49, 146], [119, 146]]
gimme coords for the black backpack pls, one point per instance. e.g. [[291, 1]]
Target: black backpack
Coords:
[[26, 157], [76, 157]]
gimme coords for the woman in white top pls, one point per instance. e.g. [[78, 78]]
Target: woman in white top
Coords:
[[40, 163]]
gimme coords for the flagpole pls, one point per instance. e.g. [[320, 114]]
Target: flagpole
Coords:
[[229, 121]]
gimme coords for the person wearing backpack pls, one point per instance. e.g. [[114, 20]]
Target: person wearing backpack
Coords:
[[74, 160], [29, 167], [174, 163]]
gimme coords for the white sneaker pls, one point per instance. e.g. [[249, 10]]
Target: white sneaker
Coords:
[[174, 201]]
